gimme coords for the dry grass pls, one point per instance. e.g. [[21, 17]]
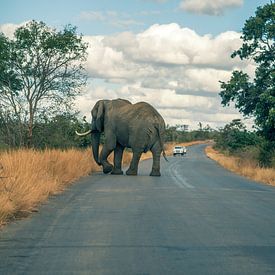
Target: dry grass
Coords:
[[243, 167], [29, 177]]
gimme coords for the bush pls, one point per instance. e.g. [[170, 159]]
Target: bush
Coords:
[[266, 156], [236, 140], [234, 137]]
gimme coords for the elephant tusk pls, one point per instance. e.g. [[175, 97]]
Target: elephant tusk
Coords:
[[83, 134]]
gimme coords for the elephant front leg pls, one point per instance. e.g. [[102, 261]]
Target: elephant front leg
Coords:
[[118, 153], [107, 167], [132, 171]]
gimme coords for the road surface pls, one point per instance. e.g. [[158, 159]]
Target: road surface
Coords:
[[197, 218]]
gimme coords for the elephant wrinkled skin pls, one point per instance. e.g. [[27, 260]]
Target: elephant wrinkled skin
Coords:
[[138, 126]]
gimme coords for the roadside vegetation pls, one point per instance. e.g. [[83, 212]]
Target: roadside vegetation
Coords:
[[28, 177], [242, 164], [251, 154], [244, 152], [234, 139]]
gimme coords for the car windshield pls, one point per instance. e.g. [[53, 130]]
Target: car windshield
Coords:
[[178, 147]]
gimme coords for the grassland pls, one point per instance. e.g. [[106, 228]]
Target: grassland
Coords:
[[29, 177], [243, 166]]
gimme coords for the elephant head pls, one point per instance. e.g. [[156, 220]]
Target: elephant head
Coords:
[[97, 127], [101, 108]]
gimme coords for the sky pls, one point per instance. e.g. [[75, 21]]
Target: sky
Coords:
[[169, 53]]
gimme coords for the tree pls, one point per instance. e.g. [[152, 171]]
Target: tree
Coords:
[[256, 98], [234, 137], [41, 71]]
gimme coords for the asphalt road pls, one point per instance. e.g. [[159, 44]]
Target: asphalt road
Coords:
[[197, 218]]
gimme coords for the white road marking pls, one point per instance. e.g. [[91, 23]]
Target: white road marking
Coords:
[[178, 179], [181, 181]]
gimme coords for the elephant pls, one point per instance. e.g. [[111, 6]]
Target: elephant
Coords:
[[138, 126]]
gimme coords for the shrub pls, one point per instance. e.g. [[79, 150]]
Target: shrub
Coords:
[[234, 137]]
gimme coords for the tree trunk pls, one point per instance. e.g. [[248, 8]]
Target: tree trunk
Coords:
[[30, 128]]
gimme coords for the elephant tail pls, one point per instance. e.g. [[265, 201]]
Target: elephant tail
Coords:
[[160, 133], [164, 155]]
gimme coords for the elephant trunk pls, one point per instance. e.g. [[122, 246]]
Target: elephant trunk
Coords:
[[95, 146]]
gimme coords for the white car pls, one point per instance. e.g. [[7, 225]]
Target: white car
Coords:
[[179, 150]]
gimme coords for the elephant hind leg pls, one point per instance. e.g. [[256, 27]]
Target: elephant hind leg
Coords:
[[118, 153], [132, 171], [156, 151]]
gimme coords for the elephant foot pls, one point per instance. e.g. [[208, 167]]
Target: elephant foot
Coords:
[[117, 171], [155, 173], [107, 168], [131, 172]]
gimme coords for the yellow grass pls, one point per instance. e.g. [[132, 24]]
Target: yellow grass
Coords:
[[28, 177], [243, 167]]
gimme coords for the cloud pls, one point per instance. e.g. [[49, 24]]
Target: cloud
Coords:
[[170, 44], [113, 18], [209, 7], [171, 67], [203, 82]]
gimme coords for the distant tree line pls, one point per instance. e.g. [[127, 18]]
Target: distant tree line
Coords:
[[59, 132], [48, 132], [174, 134]]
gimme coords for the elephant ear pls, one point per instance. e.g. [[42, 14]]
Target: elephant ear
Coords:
[[100, 116]]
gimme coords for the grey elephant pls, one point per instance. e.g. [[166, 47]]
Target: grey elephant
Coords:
[[138, 126]]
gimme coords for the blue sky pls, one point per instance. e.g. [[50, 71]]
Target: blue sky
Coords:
[[170, 53]]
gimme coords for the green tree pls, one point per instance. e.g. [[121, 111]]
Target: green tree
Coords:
[[234, 137], [256, 97], [41, 71]]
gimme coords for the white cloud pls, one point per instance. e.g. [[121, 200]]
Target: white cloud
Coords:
[[172, 45], [201, 81], [173, 68], [209, 7], [113, 18]]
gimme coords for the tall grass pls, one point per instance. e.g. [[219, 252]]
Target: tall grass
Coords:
[[243, 166], [29, 177]]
